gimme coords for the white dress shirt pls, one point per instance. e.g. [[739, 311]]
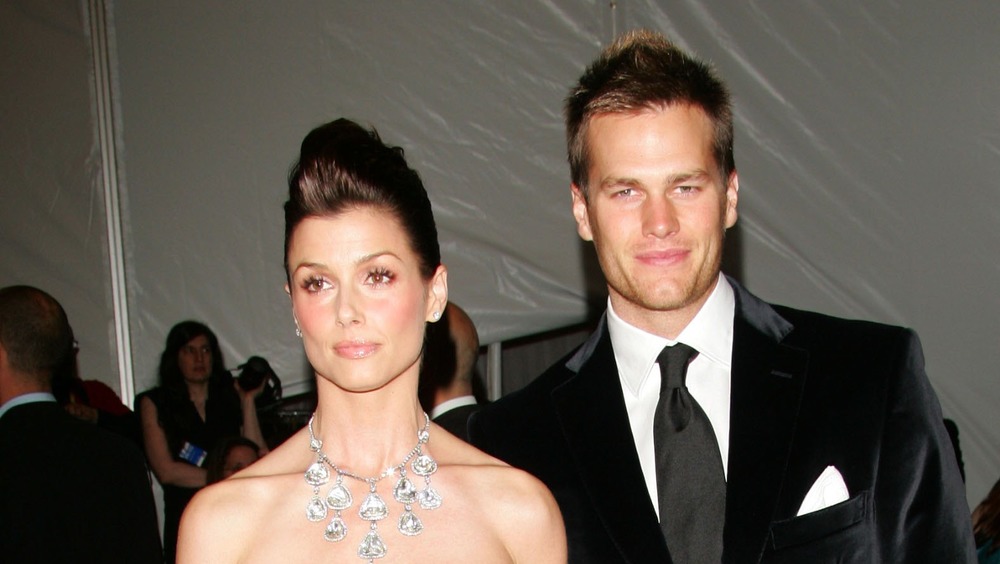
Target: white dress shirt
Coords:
[[708, 376], [22, 399], [451, 404]]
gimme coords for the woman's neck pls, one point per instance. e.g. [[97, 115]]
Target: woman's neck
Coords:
[[367, 433], [197, 390]]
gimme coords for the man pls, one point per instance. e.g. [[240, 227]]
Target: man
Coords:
[[69, 491], [93, 401], [448, 375], [777, 435]]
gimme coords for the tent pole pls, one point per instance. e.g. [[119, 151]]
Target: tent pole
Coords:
[[105, 118], [494, 377]]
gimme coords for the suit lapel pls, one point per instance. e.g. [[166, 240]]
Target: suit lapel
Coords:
[[767, 382], [600, 439]]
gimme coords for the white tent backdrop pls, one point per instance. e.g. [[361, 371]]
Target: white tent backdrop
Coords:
[[868, 145]]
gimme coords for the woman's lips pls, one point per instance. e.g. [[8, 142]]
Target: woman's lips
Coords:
[[355, 349]]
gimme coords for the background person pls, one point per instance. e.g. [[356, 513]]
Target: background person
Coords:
[[986, 527], [196, 404], [229, 456], [69, 490], [93, 401], [448, 378], [370, 476]]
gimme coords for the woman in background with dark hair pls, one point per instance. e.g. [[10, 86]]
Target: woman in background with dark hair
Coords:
[[195, 405], [229, 456], [986, 527], [364, 276]]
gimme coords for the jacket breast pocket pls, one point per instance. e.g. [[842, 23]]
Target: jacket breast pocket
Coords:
[[845, 521]]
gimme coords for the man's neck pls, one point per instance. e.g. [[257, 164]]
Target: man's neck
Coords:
[[664, 323], [14, 385], [456, 390]]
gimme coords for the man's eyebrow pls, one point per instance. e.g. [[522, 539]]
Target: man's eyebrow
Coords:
[[619, 181], [677, 178], [682, 177]]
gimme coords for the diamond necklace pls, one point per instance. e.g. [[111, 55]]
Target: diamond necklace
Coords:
[[373, 509]]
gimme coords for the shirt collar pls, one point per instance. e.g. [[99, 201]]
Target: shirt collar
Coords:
[[22, 399], [710, 333], [448, 405]]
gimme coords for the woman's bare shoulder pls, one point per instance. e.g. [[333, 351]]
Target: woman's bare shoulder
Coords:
[[519, 506], [226, 518], [217, 512]]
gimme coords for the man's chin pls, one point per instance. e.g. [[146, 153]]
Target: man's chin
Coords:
[[664, 298]]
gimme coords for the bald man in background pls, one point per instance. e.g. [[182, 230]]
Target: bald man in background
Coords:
[[69, 490], [448, 382]]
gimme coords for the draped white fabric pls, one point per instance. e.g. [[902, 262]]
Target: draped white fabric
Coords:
[[868, 145]]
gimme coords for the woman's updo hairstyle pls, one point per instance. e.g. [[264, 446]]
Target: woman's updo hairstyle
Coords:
[[343, 166]]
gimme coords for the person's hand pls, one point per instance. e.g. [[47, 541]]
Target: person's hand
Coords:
[[82, 412], [249, 395]]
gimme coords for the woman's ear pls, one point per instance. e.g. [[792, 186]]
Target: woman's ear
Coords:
[[298, 331], [437, 294]]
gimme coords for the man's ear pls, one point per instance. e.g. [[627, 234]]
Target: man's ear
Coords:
[[437, 294], [732, 198], [581, 214]]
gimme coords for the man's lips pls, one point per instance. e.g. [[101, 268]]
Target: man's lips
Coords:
[[664, 257], [355, 349]]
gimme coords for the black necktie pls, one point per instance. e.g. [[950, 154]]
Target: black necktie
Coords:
[[690, 481]]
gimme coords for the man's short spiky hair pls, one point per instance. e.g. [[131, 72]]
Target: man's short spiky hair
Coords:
[[643, 70]]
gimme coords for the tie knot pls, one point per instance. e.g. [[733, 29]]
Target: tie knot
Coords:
[[673, 361]]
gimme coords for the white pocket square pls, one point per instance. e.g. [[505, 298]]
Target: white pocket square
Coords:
[[829, 489]]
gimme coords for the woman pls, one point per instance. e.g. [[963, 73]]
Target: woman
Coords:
[[196, 404], [370, 477], [986, 526], [229, 456]]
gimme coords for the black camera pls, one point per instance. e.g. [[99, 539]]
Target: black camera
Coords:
[[254, 371]]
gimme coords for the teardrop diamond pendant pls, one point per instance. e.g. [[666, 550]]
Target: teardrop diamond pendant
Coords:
[[336, 530], [339, 497], [373, 508], [372, 547], [404, 492], [409, 524]]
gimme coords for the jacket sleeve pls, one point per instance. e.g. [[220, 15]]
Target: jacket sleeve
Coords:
[[922, 513]]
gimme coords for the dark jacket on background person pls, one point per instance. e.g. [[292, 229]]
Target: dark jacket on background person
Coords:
[[72, 492]]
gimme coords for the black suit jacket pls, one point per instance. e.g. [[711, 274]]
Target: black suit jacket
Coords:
[[456, 421], [72, 492], [808, 391]]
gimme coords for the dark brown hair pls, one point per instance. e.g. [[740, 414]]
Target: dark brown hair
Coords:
[[643, 70], [343, 166], [215, 464], [169, 370]]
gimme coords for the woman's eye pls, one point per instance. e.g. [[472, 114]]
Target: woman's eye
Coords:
[[313, 284], [379, 277]]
